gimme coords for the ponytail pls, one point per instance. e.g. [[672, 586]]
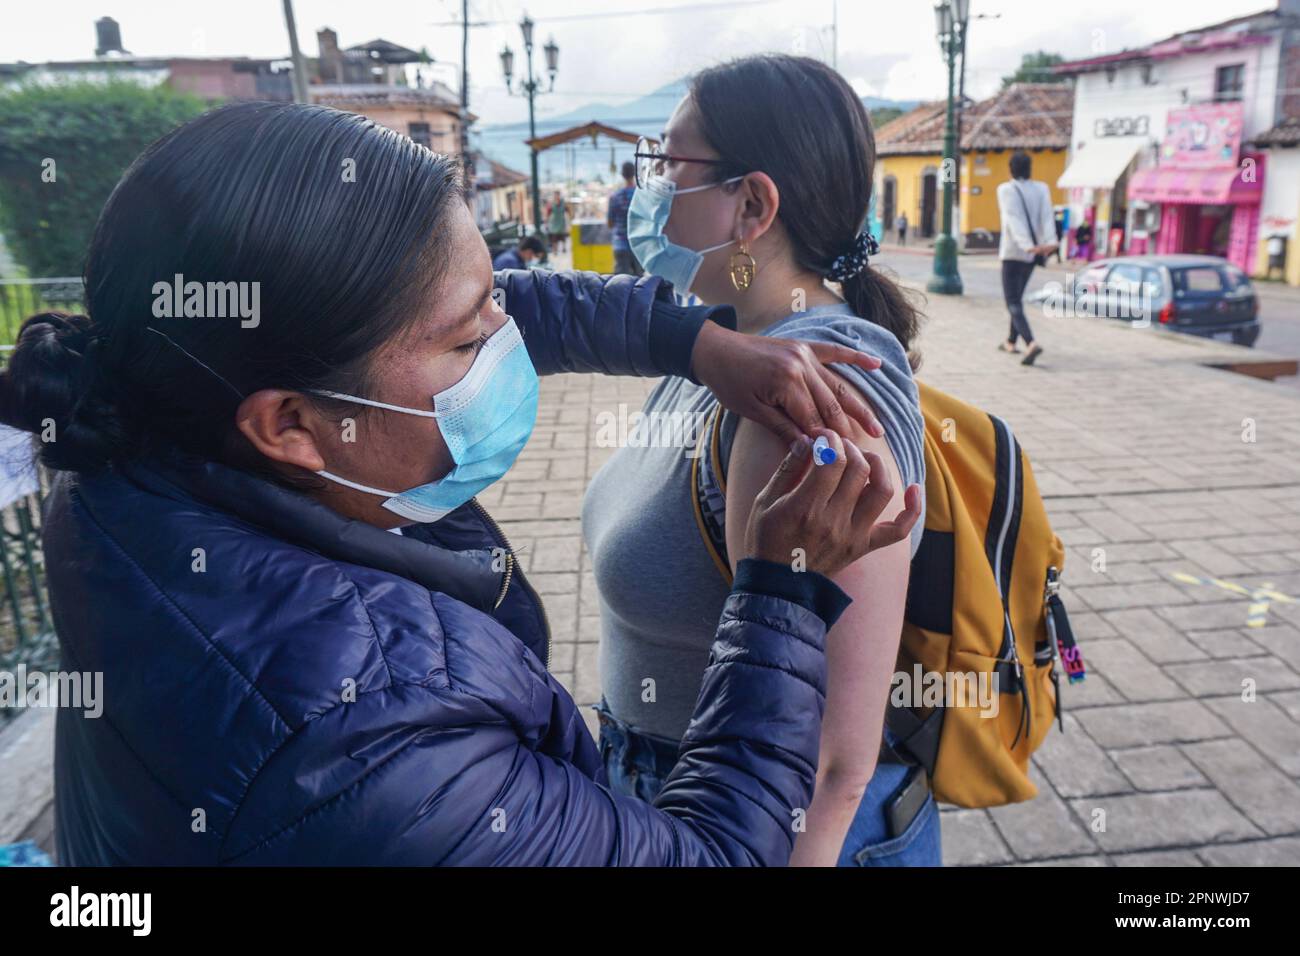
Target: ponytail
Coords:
[[876, 297]]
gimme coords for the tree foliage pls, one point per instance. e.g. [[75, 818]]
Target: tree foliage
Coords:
[[63, 147]]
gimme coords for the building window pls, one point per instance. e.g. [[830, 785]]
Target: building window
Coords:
[[421, 133], [1229, 82]]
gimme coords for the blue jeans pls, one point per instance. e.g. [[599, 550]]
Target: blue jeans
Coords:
[[638, 763]]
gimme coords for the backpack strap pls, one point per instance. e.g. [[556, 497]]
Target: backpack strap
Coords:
[[709, 496], [1000, 538]]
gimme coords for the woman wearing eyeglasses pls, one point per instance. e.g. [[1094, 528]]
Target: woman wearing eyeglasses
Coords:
[[758, 198]]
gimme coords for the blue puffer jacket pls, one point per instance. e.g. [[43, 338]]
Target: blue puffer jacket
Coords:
[[306, 689]]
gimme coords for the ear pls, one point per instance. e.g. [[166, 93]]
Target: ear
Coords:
[[282, 426], [760, 201]]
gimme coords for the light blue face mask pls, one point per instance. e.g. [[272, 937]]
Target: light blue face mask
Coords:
[[485, 419], [647, 215]]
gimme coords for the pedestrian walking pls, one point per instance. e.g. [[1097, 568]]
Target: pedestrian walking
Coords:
[[557, 222], [616, 216], [901, 224], [1025, 208]]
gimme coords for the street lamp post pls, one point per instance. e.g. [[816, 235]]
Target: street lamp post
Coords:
[[530, 87], [950, 23]]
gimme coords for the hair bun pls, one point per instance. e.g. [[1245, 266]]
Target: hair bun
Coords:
[[51, 378], [48, 329]]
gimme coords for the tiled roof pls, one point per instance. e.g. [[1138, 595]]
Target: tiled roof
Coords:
[[918, 131], [1226, 33], [495, 174], [1023, 116], [1285, 133]]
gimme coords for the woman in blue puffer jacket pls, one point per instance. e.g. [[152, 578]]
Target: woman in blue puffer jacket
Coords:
[[315, 646]]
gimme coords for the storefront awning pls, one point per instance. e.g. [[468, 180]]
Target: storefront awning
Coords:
[[1099, 163], [1208, 186]]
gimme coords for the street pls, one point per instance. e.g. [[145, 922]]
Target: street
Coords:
[[1279, 305]]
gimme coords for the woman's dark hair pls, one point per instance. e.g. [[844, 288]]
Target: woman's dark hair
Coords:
[[797, 120], [1021, 165], [532, 244], [332, 226]]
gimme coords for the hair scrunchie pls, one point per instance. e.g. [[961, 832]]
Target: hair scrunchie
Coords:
[[855, 260]]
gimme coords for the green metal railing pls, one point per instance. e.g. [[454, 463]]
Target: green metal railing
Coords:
[[20, 298], [26, 629]]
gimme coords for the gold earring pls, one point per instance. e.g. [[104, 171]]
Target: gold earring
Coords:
[[741, 268]]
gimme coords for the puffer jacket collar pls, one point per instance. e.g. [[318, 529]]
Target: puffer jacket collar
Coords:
[[466, 575]]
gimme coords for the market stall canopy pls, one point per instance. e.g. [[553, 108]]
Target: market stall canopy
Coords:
[[1210, 186], [1100, 163]]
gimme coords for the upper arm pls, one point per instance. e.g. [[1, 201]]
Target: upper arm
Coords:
[[862, 647]]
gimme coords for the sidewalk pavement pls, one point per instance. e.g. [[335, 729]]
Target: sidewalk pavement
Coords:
[[1138, 448], [1152, 465]]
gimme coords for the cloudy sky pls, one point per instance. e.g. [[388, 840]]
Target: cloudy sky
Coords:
[[615, 50]]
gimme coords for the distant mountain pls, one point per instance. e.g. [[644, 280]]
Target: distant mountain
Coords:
[[646, 115]]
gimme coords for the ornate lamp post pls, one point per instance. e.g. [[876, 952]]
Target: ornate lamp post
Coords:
[[950, 24], [530, 87]]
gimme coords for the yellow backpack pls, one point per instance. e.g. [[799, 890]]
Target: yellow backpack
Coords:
[[984, 620]]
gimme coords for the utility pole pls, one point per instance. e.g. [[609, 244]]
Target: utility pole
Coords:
[[295, 54], [466, 160]]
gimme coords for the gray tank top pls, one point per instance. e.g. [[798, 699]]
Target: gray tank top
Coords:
[[660, 593]]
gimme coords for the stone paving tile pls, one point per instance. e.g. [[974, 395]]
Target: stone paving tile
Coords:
[[1269, 798], [1226, 642], [1227, 677], [1158, 768], [1070, 861], [1076, 766], [1153, 635], [1092, 692], [970, 839], [1109, 597], [1173, 819], [1289, 701], [1283, 852], [1130, 672], [1157, 858], [1282, 640], [1265, 725], [1132, 725], [1042, 827], [1204, 616]]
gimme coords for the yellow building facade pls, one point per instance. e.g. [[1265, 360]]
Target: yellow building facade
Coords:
[[912, 178]]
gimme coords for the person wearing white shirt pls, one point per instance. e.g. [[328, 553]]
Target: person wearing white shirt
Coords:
[[1028, 226]]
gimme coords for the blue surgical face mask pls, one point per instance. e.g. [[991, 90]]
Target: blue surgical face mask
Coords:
[[485, 419], [647, 215]]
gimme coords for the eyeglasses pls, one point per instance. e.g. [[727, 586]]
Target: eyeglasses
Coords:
[[650, 159]]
